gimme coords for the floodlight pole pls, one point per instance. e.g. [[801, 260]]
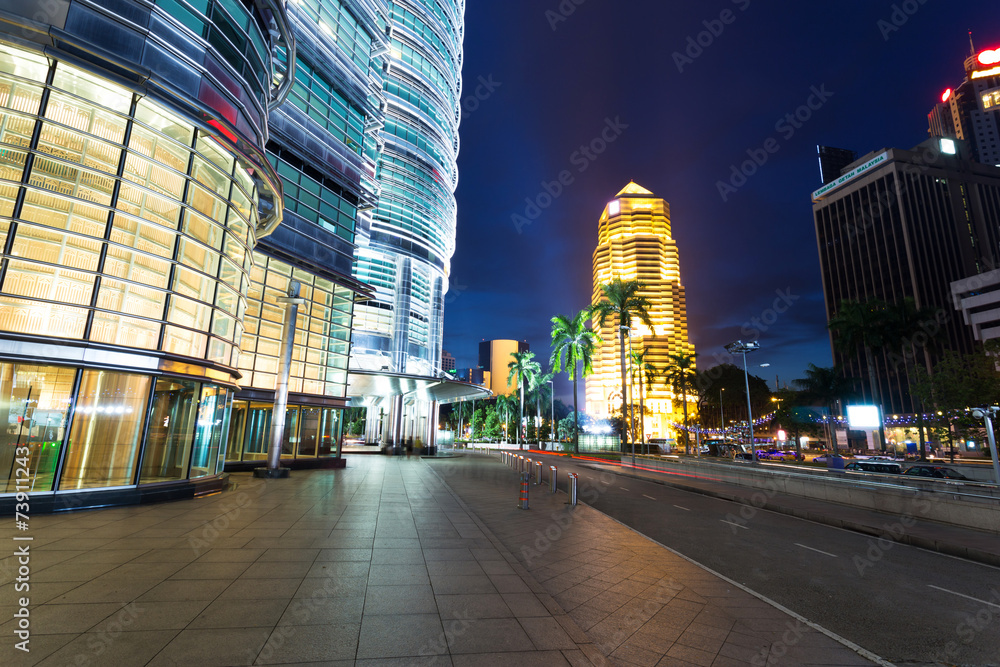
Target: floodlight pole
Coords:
[[988, 417], [552, 415], [631, 408], [739, 347]]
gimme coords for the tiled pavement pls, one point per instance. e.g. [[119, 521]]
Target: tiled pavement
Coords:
[[637, 601], [380, 564]]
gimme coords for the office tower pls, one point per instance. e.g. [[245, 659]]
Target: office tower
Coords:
[[903, 224], [447, 361], [133, 189], [494, 356], [635, 243], [832, 162], [405, 252], [971, 111]]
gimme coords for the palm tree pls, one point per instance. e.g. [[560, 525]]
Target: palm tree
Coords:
[[573, 342], [540, 391], [525, 368], [646, 371], [865, 325], [907, 320], [505, 406], [679, 373], [621, 301], [825, 386]]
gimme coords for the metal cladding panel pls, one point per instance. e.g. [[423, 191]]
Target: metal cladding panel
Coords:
[[111, 35], [170, 68]]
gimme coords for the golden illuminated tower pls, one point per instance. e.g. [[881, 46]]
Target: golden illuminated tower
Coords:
[[634, 243]]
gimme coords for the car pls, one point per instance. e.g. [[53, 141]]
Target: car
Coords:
[[934, 472], [743, 457], [868, 465]]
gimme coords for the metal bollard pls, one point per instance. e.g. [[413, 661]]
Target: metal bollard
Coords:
[[520, 463], [527, 466], [572, 488], [538, 473], [553, 475], [523, 504]]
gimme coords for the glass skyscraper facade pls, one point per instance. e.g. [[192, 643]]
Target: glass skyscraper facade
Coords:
[[405, 253]]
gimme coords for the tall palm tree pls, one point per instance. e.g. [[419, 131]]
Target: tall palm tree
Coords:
[[505, 406], [525, 368], [540, 390], [573, 343], [679, 373], [622, 301], [864, 325], [906, 321], [647, 372], [825, 386]]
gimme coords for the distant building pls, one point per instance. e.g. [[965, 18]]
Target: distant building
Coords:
[[971, 112], [900, 224], [634, 242], [978, 298], [447, 361], [474, 375], [832, 162], [494, 355]]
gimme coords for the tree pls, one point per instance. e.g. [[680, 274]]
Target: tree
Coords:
[[505, 406], [723, 390], [573, 343], [621, 301], [959, 381], [865, 325], [540, 391], [825, 386], [680, 373], [525, 368]]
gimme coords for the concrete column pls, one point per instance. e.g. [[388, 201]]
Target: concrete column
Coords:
[[292, 303], [401, 314], [432, 424], [395, 439]]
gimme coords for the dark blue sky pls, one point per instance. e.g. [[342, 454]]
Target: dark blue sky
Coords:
[[537, 88]]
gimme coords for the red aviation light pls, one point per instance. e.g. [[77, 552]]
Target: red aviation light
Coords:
[[989, 57], [946, 95]]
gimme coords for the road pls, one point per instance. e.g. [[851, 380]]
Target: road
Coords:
[[903, 603]]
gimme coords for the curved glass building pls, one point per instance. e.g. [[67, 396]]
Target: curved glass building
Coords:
[[405, 253], [133, 190]]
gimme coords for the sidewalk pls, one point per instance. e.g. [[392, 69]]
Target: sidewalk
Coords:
[[637, 601], [378, 564]]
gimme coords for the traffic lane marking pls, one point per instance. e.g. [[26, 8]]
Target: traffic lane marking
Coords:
[[967, 597], [682, 508], [623, 488], [819, 551], [734, 524], [650, 497]]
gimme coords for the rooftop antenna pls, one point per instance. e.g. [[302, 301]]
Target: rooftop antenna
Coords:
[[972, 48]]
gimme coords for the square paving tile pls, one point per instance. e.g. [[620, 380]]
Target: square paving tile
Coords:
[[401, 636], [415, 599]]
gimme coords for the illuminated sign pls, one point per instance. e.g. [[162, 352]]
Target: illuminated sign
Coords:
[[989, 57], [948, 146], [863, 416], [982, 74], [614, 208], [849, 176], [946, 95]]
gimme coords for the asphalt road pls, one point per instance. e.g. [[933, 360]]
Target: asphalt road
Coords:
[[905, 604]]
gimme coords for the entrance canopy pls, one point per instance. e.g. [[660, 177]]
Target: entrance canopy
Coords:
[[364, 385]]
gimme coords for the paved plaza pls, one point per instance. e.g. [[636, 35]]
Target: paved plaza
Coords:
[[393, 561]]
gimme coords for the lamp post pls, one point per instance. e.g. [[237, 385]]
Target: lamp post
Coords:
[[739, 347], [552, 415], [722, 416], [987, 414], [631, 409]]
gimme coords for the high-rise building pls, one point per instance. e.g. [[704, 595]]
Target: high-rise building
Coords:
[[405, 252], [447, 361], [971, 111], [635, 243], [832, 162], [902, 224], [494, 356], [134, 188]]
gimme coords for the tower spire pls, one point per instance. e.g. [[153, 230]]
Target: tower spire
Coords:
[[972, 48]]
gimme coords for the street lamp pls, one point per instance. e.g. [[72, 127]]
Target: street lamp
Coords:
[[631, 409], [722, 416], [987, 415], [739, 347], [552, 416]]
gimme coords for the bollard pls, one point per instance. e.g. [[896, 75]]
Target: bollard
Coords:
[[520, 463], [553, 473], [523, 504], [527, 466], [572, 488], [538, 473]]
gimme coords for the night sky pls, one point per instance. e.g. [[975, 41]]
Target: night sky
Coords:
[[537, 88]]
